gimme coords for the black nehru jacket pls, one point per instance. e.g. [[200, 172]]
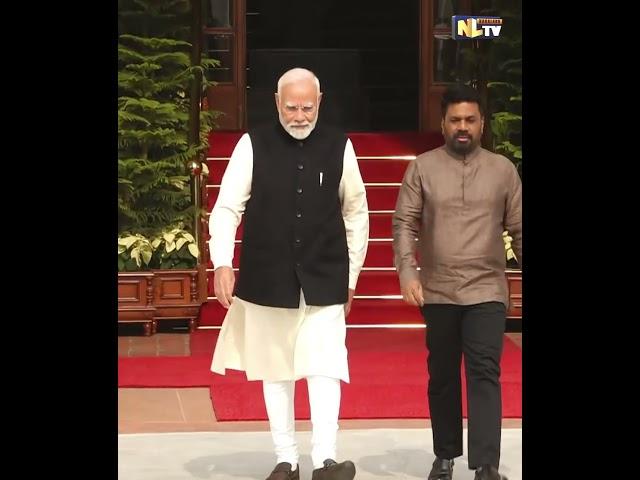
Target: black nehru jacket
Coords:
[[294, 235]]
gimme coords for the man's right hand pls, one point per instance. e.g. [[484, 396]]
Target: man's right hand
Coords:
[[223, 281], [412, 293]]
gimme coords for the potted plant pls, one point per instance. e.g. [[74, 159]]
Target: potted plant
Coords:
[[134, 252], [162, 134], [176, 276], [175, 249], [135, 281]]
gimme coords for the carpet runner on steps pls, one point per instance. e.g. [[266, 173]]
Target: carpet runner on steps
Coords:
[[379, 255], [383, 159], [373, 144], [364, 311], [379, 197], [387, 367]]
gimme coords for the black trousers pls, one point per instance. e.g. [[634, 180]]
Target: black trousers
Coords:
[[477, 331]]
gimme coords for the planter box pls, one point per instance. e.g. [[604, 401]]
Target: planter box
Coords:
[[514, 279], [135, 300], [148, 297], [176, 295]]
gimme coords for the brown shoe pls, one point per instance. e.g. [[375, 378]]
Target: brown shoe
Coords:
[[283, 472], [335, 471]]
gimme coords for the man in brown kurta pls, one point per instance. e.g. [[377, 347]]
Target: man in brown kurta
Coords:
[[457, 200]]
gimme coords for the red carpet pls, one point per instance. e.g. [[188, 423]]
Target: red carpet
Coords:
[[378, 198], [388, 378], [379, 254], [364, 311], [165, 371], [221, 143]]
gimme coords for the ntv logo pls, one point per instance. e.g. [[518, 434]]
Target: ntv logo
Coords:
[[465, 27]]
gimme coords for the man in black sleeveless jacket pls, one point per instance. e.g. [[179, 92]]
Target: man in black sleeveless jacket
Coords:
[[304, 242]]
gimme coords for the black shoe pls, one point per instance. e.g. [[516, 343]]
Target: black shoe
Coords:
[[442, 469], [335, 471], [488, 472], [283, 472]]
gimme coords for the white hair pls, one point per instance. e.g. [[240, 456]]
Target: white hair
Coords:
[[297, 74]]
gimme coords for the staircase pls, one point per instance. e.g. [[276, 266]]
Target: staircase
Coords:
[[383, 159]]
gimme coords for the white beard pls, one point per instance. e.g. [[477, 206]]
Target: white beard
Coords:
[[298, 132]]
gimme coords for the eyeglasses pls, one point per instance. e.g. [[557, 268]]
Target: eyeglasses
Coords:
[[305, 108]]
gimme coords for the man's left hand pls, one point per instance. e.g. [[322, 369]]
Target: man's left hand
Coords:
[[347, 306]]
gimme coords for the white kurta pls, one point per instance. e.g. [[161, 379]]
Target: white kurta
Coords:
[[277, 344]]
